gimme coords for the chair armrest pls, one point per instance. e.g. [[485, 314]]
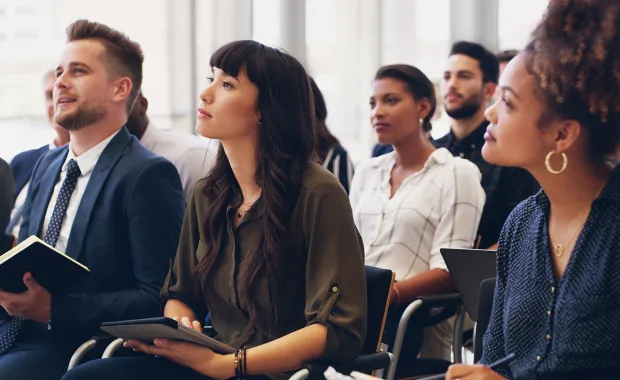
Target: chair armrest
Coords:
[[364, 363], [111, 349], [441, 300], [86, 347], [448, 303]]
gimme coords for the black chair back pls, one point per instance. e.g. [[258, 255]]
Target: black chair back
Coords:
[[485, 304], [378, 286]]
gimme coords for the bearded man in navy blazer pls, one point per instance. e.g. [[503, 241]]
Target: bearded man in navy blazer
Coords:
[[104, 200]]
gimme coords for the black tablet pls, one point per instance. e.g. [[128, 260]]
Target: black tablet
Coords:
[[146, 330]]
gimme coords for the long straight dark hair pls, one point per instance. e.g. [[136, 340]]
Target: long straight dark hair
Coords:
[[286, 144]]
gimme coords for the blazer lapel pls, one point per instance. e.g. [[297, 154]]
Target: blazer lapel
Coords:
[[40, 203], [111, 154]]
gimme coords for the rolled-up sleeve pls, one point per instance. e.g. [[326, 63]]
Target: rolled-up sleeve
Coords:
[[180, 284], [461, 200], [335, 277]]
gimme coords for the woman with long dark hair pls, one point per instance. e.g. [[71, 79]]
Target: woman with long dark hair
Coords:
[[268, 246], [556, 305], [330, 153]]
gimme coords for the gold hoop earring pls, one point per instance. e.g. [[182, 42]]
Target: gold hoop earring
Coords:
[[548, 163]]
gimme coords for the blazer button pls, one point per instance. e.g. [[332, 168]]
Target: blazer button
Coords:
[[553, 289], [335, 289], [549, 313], [538, 358], [548, 337]]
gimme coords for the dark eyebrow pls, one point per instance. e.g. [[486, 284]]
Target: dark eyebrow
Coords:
[[234, 77], [75, 64], [225, 73], [511, 90]]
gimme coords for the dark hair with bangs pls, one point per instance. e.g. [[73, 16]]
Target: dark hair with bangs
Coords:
[[418, 84], [285, 147]]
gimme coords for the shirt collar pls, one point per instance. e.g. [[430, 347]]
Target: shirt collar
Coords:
[[439, 156], [255, 212], [475, 140], [87, 160]]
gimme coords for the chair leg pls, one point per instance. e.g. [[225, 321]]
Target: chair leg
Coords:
[[400, 336], [112, 348], [78, 355], [457, 335]]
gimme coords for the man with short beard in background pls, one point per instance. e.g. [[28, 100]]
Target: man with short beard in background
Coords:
[[468, 85]]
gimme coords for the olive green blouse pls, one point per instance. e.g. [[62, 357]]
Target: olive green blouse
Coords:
[[324, 284]]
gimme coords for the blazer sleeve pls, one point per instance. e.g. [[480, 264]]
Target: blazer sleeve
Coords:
[[24, 229], [154, 210]]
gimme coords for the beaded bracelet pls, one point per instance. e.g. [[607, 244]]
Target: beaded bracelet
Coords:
[[240, 364]]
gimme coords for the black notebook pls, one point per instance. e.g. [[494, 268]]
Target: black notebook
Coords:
[[51, 268]]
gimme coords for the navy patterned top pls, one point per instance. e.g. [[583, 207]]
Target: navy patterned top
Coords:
[[566, 329]]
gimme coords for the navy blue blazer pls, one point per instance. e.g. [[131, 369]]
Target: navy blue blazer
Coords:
[[126, 231], [23, 165]]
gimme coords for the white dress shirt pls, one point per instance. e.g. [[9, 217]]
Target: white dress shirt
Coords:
[[191, 155], [437, 207], [86, 162]]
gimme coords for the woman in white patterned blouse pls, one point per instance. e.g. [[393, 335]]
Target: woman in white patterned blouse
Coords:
[[411, 202]]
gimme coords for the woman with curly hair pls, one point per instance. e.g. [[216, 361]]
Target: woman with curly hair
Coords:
[[557, 296], [268, 246]]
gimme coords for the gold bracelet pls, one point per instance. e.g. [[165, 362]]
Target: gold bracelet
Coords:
[[237, 365]]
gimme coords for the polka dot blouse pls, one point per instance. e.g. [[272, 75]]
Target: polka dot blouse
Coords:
[[567, 329]]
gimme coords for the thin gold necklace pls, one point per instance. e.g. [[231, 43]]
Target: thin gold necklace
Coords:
[[558, 249], [240, 212]]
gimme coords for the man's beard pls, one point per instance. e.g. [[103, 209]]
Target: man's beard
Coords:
[[468, 109], [81, 118]]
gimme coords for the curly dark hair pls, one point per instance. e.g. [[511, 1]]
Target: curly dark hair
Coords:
[[574, 54], [285, 148]]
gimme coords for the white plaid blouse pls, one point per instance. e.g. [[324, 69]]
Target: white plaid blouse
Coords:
[[437, 207]]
